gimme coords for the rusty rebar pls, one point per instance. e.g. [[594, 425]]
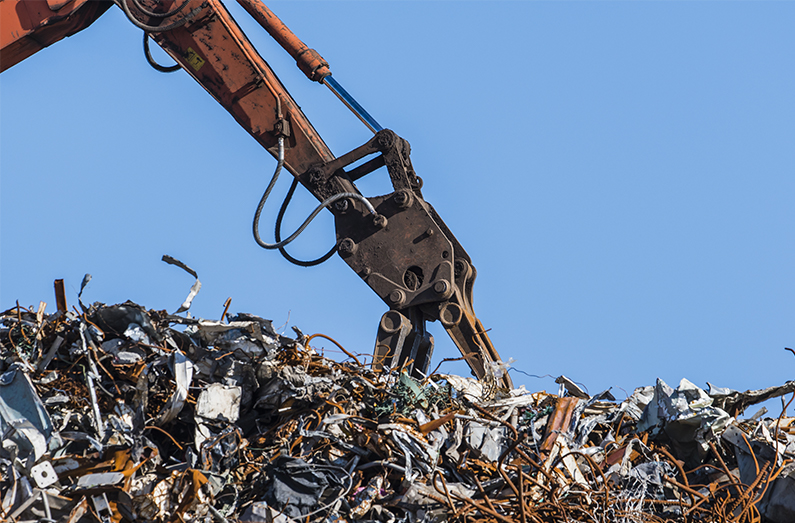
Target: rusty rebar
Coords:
[[332, 340], [723, 463]]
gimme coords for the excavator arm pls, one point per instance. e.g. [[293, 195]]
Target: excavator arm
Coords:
[[30, 26], [396, 243]]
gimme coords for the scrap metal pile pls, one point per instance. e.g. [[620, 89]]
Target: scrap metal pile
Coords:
[[123, 414]]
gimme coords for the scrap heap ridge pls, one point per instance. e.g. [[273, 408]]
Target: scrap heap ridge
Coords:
[[125, 414]]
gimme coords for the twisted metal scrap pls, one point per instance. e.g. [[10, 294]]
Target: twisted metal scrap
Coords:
[[538, 490], [350, 424]]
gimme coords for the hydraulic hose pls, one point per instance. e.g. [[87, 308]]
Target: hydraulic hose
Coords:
[[278, 233], [328, 201], [153, 28], [153, 63], [152, 14]]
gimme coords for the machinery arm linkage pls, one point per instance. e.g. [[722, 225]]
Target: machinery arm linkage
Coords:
[[404, 252]]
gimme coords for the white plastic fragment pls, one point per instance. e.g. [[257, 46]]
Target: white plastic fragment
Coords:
[[43, 474]]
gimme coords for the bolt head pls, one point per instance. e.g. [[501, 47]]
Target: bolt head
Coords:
[[391, 322], [441, 287], [347, 247], [403, 198], [385, 139], [342, 205], [460, 267], [450, 315], [380, 221], [316, 176], [396, 297]]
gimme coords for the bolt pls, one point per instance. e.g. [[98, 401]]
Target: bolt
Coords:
[[380, 221], [403, 198], [396, 297], [429, 232], [341, 205], [460, 268], [281, 128], [347, 247], [450, 314], [445, 254], [385, 139], [316, 176], [366, 272], [441, 287], [392, 321]]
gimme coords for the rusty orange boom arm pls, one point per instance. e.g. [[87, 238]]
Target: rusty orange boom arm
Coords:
[[396, 243], [207, 43]]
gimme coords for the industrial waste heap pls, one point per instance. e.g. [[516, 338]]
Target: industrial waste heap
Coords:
[[125, 414]]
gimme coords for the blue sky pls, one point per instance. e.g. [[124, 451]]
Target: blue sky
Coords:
[[621, 174]]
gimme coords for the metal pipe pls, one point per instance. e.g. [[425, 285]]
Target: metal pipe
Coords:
[[309, 61], [352, 104]]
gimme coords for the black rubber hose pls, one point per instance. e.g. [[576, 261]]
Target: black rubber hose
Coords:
[[157, 29], [278, 234], [152, 14], [328, 201], [151, 60]]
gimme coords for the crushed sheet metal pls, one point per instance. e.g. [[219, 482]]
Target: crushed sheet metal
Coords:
[[233, 422], [183, 375], [23, 417], [194, 289]]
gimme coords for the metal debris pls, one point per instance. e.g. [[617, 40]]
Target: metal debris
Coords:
[[122, 414], [194, 290]]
